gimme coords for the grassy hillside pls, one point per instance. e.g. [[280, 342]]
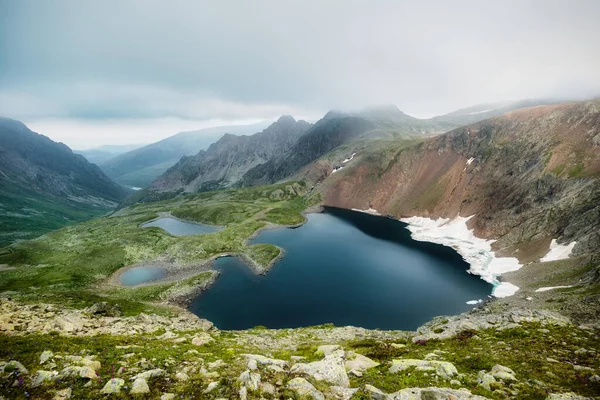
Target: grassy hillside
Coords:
[[76, 262]]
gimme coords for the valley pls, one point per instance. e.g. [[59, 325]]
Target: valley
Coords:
[[296, 277]]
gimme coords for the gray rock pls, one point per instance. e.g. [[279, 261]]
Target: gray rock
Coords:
[[113, 386], [434, 393], [343, 393], [443, 369], [566, 396], [140, 386], [167, 396], [327, 349], [375, 393], [78, 372], [303, 388], [269, 388], [503, 373], [210, 387], [45, 356], [12, 366], [103, 308], [147, 375], [262, 360], [41, 377], [181, 376], [249, 379], [485, 380], [358, 362], [331, 369], [201, 339], [63, 394]]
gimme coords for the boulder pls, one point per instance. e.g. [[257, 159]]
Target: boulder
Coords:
[[113, 386], [63, 394], [251, 380], [375, 393], [211, 386], [503, 373], [343, 393], [327, 349], [103, 308], [566, 396], [13, 366], [41, 377], [45, 356], [331, 369], [443, 369], [266, 361], [358, 362], [201, 339], [434, 393], [303, 388], [181, 376], [485, 380], [140, 386], [150, 374]]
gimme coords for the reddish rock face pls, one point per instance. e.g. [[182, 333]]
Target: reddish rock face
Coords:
[[528, 176]]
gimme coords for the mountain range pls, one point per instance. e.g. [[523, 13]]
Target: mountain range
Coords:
[[139, 167]]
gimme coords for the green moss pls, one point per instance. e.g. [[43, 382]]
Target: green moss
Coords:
[[576, 170]]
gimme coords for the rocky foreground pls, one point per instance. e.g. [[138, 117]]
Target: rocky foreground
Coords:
[[52, 353]]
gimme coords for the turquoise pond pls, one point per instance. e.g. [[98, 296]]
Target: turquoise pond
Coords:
[[142, 274], [345, 268], [177, 227]]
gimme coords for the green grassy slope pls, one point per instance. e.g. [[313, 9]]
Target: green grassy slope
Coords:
[[67, 263]]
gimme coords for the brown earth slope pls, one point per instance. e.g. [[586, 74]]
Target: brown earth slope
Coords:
[[528, 176]]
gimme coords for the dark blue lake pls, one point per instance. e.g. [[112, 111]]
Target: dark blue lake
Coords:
[[178, 227], [346, 268]]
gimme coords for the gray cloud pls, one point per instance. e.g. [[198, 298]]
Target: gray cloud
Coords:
[[255, 59]]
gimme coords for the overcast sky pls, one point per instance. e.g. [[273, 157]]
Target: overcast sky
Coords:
[[113, 72]]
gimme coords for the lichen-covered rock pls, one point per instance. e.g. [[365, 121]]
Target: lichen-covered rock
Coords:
[[201, 339], [113, 386], [434, 393], [78, 372], [182, 376], [485, 380], [503, 373], [63, 394], [566, 396], [13, 366], [45, 356], [41, 377], [342, 393], [153, 373], [374, 393], [327, 349], [330, 369], [140, 386], [358, 362], [210, 387], [262, 360], [249, 379], [303, 388], [443, 369]]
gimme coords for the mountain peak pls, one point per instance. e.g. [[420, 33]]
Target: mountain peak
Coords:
[[285, 119]]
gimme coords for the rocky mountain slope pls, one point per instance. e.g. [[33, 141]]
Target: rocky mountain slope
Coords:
[[528, 176], [224, 163], [141, 166], [44, 185]]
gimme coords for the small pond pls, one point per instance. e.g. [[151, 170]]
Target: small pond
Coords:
[[345, 268], [137, 275], [177, 227]]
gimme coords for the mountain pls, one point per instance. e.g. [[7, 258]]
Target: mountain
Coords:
[[528, 176], [224, 163], [328, 133], [44, 185], [100, 154], [138, 168]]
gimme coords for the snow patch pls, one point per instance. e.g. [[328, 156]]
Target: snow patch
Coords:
[[470, 160], [476, 251], [349, 159], [481, 112], [545, 289], [336, 170], [371, 211], [558, 251], [472, 302]]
